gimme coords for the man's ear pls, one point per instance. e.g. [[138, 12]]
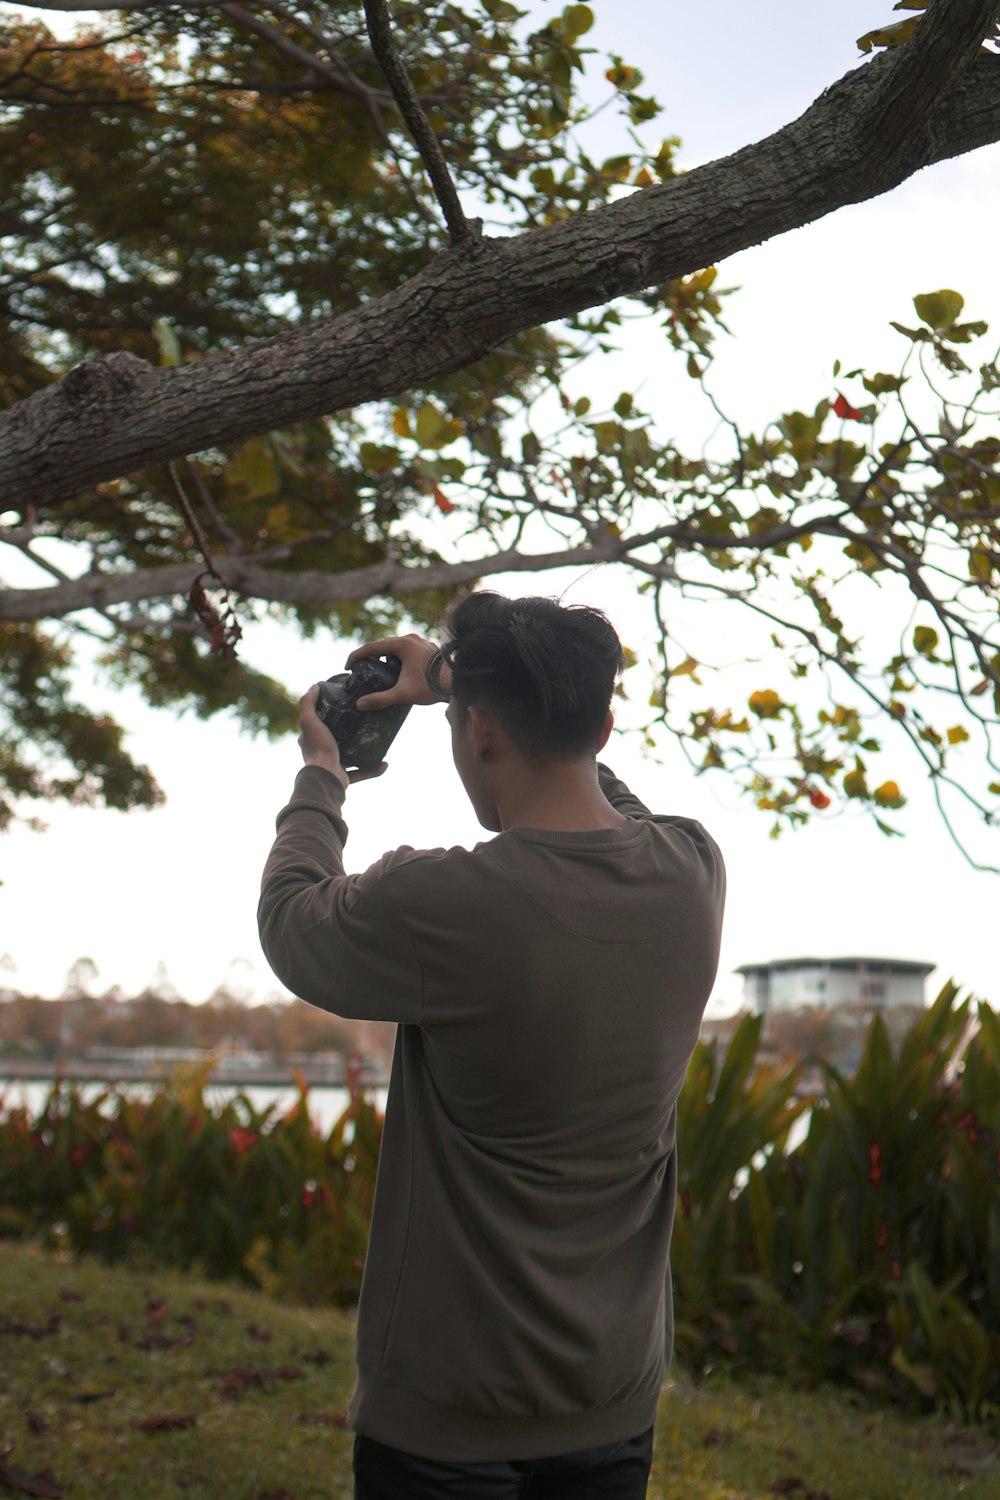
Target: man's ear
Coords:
[[606, 728], [484, 730]]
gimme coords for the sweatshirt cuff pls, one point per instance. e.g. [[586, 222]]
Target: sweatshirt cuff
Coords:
[[318, 790]]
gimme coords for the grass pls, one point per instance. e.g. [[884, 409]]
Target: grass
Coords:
[[137, 1385]]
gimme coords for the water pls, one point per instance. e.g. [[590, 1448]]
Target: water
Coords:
[[326, 1105]]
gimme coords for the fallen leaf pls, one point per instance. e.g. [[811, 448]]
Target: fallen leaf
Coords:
[[237, 1380], [165, 1423], [30, 1330], [43, 1483], [262, 1335]]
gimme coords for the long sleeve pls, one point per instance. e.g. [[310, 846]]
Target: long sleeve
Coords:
[[335, 940]]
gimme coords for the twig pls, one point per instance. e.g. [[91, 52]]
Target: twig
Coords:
[[224, 630]]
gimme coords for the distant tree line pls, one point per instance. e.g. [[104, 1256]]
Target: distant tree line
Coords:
[[31, 1025]]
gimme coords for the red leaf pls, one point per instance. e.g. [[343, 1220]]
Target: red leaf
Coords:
[[843, 409], [442, 502]]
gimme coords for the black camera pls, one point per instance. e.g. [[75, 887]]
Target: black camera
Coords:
[[362, 737]]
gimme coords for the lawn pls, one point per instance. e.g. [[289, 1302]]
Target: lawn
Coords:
[[137, 1385]]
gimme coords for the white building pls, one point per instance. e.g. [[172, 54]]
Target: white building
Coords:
[[788, 983]]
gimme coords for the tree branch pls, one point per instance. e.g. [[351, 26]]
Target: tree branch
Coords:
[[113, 416], [334, 72], [417, 123], [244, 576]]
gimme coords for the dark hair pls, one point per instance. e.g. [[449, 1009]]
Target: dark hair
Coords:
[[546, 671]]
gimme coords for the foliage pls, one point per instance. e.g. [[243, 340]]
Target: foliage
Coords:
[[95, 1356], [866, 1252], [231, 1190], [229, 218]]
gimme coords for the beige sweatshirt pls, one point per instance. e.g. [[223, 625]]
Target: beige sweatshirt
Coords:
[[549, 988]]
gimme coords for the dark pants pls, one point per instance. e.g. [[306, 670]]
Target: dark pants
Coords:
[[618, 1471]]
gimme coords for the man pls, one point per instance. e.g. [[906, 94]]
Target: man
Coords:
[[515, 1320]]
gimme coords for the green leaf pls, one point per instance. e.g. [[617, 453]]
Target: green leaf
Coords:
[[939, 310], [500, 10], [378, 459], [253, 470], [981, 566], [925, 640], [607, 435], [430, 425], [577, 20], [881, 384], [434, 429]]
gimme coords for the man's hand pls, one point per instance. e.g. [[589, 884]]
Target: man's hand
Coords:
[[412, 686], [318, 746]]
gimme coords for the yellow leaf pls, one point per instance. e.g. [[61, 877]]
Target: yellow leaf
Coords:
[[687, 668], [889, 36], [957, 734], [886, 795], [401, 422], [766, 704]]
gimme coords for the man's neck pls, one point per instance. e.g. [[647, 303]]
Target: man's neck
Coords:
[[568, 799]]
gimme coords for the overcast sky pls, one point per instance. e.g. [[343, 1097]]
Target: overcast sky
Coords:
[[179, 886]]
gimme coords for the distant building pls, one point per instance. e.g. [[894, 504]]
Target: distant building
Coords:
[[790, 983]]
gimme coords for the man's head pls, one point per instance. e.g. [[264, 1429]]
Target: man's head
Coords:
[[531, 686]]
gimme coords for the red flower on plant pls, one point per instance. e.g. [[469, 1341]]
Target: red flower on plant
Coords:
[[81, 1153], [874, 1163], [817, 798], [242, 1139]]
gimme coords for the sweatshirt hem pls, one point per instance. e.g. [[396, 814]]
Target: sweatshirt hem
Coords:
[[402, 1420]]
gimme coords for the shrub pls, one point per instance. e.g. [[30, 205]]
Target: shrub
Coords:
[[868, 1251]]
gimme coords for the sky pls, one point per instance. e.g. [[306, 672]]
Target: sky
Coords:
[[176, 889]]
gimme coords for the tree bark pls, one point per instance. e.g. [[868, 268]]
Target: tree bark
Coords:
[[935, 98]]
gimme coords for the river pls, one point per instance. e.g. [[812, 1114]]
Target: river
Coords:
[[326, 1104]]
